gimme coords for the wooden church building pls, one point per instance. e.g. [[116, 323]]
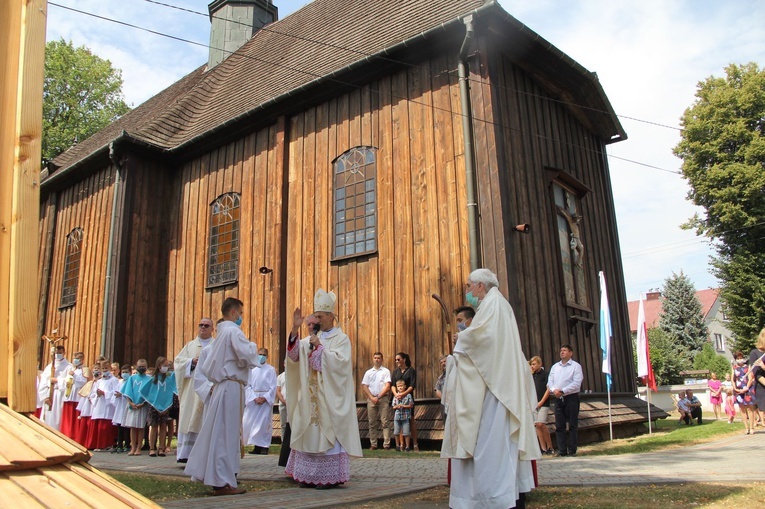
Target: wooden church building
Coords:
[[376, 149]]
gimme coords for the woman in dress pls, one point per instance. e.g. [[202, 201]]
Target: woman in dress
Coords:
[[743, 386], [715, 394]]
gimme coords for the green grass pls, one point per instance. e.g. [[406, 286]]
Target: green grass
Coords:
[[163, 487], [666, 435]]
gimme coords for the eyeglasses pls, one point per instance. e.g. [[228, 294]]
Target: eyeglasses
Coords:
[[204, 325]]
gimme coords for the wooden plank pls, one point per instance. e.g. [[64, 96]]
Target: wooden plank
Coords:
[[204, 174], [111, 486], [10, 491], [22, 43], [275, 241], [448, 242], [386, 309], [260, 229], [87, 488], [172, 267], [402, 201], [333, 270], [104, 198], [295, 217], [324, 200], [310, 214], [248, 229]]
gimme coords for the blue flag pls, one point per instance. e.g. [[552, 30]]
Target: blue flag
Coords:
[[606, 331]]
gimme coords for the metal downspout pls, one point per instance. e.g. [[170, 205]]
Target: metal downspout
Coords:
[[467, 129], [110, 253]]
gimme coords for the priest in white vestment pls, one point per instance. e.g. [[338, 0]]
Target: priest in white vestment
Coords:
[[215, 457], [490, 397], [322, 401], [191, 407], [53, 408], [260, 395]]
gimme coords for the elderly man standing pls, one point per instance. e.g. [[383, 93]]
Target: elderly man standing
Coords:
[[322, 401], [191, 407], [215, 457], [376, 387], [489, 424]]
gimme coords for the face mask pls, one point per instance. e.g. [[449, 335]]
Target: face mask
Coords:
[[163, 369], [107, 375], [471, 299], [740, 361], [77, 362], [239, 321], [262, 359], [141, 369], [461, 326], [125, 375], [59, 356], [96, 374]]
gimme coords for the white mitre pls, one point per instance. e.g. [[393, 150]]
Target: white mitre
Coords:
[[324, 301]]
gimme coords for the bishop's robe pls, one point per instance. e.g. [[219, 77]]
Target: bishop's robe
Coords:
[[322, 409]]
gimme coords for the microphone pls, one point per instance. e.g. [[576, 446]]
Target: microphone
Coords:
[[314, 330]]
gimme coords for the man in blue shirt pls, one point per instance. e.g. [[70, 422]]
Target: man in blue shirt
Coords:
[[564, 381]]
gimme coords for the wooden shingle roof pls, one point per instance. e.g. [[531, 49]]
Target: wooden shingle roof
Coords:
[[40, 467], [321, 38]]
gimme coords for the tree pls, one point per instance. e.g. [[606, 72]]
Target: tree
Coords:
[[667, 358], [681, 318], [82, 93], [723, 151], [713, 361]]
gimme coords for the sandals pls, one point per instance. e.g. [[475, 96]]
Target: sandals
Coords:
[[152, 453]]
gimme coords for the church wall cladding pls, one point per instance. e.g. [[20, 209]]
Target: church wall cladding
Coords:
[[531, 143], [85, 204], [142, 275], [252, 167], [384, 298], [284, 174]]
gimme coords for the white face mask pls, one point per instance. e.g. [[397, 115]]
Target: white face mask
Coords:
[[59, 356], [163, 369]]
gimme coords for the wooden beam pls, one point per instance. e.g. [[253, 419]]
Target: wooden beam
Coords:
[[22, 55]]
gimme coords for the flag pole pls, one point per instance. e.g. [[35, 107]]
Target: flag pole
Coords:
[[648, 402], [610, 423]]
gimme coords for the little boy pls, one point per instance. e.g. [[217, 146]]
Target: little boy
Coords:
[[403, 410]]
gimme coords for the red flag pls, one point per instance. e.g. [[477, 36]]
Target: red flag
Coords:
[[645, 370]]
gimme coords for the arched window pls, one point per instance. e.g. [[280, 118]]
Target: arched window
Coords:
[[223, 261], [71, 267], [355, 198]]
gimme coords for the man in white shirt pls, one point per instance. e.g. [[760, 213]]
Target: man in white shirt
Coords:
[[564, 382], [376, 387]]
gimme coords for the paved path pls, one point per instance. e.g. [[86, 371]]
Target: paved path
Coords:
[[718, 461]]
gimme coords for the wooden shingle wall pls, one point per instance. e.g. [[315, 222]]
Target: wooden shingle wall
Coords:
[[384, 300], [522, 134], [86, 204]]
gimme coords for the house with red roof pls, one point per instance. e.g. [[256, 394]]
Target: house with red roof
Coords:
[[711, 309]]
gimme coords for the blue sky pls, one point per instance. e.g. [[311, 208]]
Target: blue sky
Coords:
[[649, 56]]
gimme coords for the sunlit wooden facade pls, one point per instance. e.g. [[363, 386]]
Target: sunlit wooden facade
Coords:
[[539, 121]]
